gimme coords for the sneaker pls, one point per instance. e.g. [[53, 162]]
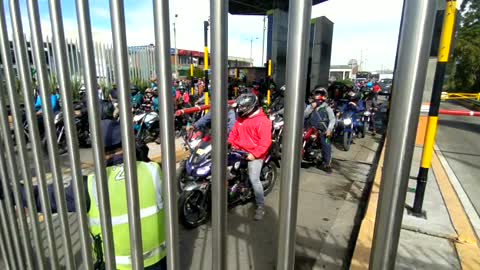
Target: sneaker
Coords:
[[259, 213]]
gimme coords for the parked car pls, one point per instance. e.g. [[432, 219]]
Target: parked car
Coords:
[[386, 85]]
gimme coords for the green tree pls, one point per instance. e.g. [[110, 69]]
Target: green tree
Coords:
[[464, 73]]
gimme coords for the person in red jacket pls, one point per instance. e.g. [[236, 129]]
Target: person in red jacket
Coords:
[[252, 133]]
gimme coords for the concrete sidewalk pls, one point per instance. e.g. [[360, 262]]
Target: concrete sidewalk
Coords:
[[442, 239]]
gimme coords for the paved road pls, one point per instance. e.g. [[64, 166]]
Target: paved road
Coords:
[[458, 139]]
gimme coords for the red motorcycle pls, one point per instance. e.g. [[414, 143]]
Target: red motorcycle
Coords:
[[311, 145]]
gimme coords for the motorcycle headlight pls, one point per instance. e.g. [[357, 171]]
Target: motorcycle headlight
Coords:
[[347, 121], [272, 117], [203, 170], [237, 165], [367, 113]]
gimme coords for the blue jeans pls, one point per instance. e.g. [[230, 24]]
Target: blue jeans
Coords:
[[326, 149], [254, 171]]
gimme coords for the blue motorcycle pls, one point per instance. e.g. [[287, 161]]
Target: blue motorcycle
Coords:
[[350, 123], [195, 183]]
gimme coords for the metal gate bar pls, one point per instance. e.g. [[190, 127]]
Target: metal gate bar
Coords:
[[163, 69], [410, 71], [297, 49], [24, 256], [117, 14], [26, 85], [3, 242], [36, 45], [219, 42], [70, 130], [85, 31], [12, 249]]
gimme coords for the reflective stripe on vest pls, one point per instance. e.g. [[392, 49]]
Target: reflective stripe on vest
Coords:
[[123, 219], [127, 260]]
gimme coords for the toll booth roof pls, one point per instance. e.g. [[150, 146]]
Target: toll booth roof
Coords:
[[259, 7]]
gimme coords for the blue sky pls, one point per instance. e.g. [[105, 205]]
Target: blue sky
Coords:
[[366, 29]]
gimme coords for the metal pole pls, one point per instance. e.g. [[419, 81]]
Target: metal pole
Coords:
[[71, 132], [36, 45], [428, 146], [263, 40], [219, 36], [205, 57], [176, 49], [413, 48], [164, 75], [297, 55], [8, 258], [117, 12], [23, 65], [11, 250], [86, 43], [15, 112]]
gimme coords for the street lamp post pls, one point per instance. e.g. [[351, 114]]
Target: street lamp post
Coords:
[[251, 48]]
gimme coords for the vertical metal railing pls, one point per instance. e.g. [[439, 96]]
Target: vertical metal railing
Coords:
[[6, 209], [89, 70], [24, 257], [60, 50], [413, 46], [50, 130], [164, 75], [219, 42], [117, 12], [26, 86], [297, 56]]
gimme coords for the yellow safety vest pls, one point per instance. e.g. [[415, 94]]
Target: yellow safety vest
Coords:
[[151, 213]]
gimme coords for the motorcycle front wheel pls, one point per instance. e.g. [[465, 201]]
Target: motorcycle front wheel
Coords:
[[347, 140], [194, 208], [180, 174], [268, 177]]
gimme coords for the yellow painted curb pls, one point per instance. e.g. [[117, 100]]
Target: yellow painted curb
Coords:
[[363, 247], [467, 244]]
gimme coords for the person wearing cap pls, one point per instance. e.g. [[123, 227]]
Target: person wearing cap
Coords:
[[150, 202]]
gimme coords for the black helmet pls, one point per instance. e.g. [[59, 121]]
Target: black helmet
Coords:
[[320, 92], [134, 89], [246, 104], [353, 95], [106, 109]]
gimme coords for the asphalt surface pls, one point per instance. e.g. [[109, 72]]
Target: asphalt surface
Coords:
[[458, 139]]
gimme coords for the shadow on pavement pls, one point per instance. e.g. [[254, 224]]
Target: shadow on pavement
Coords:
[[466, 126]]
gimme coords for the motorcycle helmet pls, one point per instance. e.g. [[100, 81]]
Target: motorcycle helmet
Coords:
[[134, 89], [106, 110], [82, 92], [246, 104], [353, 95], [369, 84], [320, 94], [148, 91]]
